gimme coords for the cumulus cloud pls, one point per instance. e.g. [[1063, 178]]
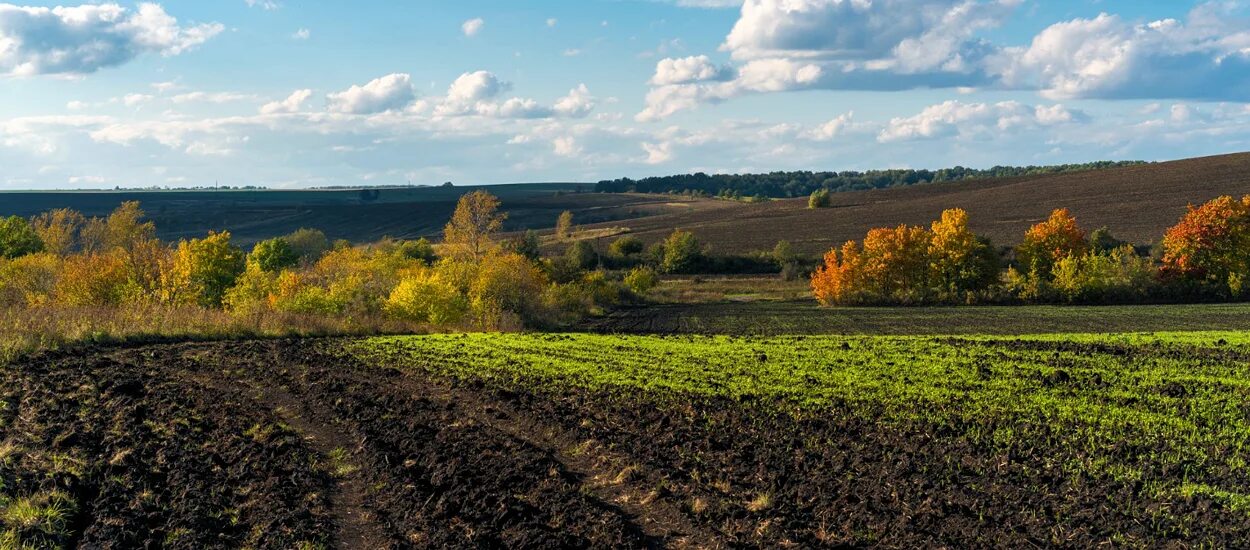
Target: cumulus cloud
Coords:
[[472, 27], [850, 29], [1206, 57], [577, 104], [84, 39], [834, 128], [476, 86], [391, 92], [975, 120], [291, 104], [686, 70], [784, 45]]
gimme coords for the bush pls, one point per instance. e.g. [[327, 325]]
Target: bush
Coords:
[[507, 283], [582, 255], [427, 299], [527, 244], [682, 253], [274, 255], [1116, 276], [252, 292], [94, 280], [642, 279], [820, 198], [626, 247], [18, 238], [28, 280], [204, 269], [420, 250], [308, 244]]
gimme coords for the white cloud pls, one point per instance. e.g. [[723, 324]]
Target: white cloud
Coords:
[[475, 86], [658, 153], [291, 104], [267, 5], [472, 27], [577, 104], [552, 22], [975, 120], [213, 97], [686, 70], [847, 29], [390, 92], [1206, 57], [834, 128], [84, 39], [302, 34], [566, 146]]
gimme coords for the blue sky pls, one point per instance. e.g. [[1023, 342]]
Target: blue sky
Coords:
[[298, 94]]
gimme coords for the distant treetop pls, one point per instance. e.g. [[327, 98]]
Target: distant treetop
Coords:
[[799, 184]]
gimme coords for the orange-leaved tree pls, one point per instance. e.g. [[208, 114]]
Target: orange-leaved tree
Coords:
[[891, 264], [839, 279], [1211, 244], [1050, 241], [960, 260]]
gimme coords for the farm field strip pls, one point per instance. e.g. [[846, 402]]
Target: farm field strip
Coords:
[[586, 440], [1133, 407]]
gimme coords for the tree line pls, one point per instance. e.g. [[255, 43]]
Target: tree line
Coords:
[[472, 279], [1205, 256], [804, 183]]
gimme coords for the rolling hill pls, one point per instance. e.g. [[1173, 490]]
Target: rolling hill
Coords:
[[1137, 203], [343, 214]]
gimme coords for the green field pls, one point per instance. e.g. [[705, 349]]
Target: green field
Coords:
[[1166, 413], [764, 318]]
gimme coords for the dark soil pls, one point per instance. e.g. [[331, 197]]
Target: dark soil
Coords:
[[274, 444]]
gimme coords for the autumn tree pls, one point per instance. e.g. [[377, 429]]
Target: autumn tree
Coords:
[[58, 230], [470, 235], [564, 225], [1211, 244], [204, 269], [18, 238], [125, 227], [839, 279], [961, 261], [1050, 241]]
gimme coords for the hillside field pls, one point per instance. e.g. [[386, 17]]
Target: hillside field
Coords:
[[343, 214], [574, 440], [1136, 203]]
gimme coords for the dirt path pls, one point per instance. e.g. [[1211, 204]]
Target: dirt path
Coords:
[[355, 526]]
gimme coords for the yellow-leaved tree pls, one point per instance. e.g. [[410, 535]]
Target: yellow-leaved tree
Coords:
[[470, 235]]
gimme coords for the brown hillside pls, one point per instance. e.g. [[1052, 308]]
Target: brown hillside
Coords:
[[1137, 203]]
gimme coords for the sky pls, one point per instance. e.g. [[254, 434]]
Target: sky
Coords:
[[292, 94]]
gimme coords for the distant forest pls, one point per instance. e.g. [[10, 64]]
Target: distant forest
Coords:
[[799, 184]]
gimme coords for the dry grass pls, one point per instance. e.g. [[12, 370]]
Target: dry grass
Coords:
[[698, 290], [25, 330]]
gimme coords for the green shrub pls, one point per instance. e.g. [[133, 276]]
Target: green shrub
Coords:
[[682, 253], [642, 279], [625, 247], [274, 255], [18, 238]]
